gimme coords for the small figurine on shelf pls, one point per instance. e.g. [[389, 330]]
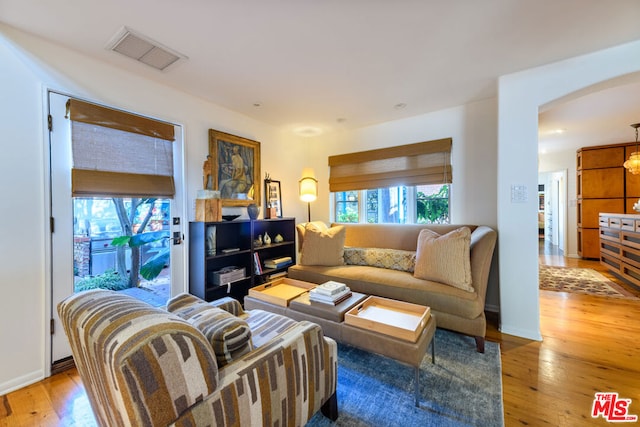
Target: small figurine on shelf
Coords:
[[211, 240], [267, 239], [258, 242], [278, 238]]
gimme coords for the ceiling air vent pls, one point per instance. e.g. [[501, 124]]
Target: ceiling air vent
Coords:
[[143, 49]]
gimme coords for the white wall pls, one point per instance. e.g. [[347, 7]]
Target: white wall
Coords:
[[22, 221], [519, 96]]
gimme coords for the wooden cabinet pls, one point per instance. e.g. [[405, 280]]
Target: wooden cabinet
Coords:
[[620, 245], [214, 246], [602, 185]]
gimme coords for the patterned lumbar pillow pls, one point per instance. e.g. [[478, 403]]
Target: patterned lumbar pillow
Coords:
[[446, 258], [393, 259], [323, 247], [229, 336]]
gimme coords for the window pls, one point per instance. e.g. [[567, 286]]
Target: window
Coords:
[[422, 204], [346, 203]]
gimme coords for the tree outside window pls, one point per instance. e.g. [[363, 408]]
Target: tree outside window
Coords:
[[432, 204]]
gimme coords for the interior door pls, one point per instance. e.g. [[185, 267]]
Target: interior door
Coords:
[[62, 213]]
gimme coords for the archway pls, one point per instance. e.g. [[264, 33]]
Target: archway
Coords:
[[520, 96]]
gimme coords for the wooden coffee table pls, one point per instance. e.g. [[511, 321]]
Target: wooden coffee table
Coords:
[[383, 338]]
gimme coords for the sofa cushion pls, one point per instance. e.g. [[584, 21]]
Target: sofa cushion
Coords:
[[394, 259], [323, 247], [445, 258], [229, 336], [394, 284]]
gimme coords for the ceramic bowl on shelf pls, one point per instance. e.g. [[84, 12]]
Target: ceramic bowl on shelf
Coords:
[[230, 217]]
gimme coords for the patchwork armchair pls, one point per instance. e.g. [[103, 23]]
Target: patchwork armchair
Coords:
[[203, 364]]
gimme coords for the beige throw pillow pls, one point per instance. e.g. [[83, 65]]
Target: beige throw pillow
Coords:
[[446, 258], [323, 247]]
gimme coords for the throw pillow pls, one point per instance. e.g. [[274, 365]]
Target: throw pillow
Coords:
[[446, 258], [392, 259], [229, 336], [323, 247]]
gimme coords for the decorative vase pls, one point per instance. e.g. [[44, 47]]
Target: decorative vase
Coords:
[[211, 240], [266, 239], [253, 211]]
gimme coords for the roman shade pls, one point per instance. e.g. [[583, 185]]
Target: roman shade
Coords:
[[412, 164], [119, 154]]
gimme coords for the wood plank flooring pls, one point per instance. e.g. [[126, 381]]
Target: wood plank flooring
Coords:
[[590, 344]]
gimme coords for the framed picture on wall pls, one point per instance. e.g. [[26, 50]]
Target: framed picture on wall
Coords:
[[273, 199], [235, 168]]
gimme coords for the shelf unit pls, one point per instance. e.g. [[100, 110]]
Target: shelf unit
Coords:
[[235, 245]]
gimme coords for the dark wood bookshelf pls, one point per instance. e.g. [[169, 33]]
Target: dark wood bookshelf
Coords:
[[241, 235]]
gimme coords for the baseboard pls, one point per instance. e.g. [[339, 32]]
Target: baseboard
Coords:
[[20, 382], [522, 333], [492, 308]]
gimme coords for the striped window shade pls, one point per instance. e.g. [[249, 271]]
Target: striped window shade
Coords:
[[421, 163], [119, 154]]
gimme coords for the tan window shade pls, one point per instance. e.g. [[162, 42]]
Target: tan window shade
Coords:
[[117, 161], [85, 112], [412, 164]]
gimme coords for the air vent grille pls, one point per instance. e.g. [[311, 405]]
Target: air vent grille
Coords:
[[144, 50]]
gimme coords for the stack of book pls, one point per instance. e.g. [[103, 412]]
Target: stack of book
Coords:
[[330, 293], [278, 262]]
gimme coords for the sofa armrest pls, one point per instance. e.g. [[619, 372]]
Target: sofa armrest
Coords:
[[140, 365], [284, 382], [483, 242]]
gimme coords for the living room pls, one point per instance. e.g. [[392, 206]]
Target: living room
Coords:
[[487, 135]]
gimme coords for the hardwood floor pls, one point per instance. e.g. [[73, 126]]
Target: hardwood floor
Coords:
[[590, 344]]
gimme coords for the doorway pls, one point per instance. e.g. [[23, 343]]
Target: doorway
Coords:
[[104, 240], [553, 209]]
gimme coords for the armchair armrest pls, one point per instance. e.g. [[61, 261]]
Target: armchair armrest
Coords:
[[284, 383], [139, 364]]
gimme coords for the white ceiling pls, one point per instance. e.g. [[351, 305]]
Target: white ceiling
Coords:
[[315, 65]]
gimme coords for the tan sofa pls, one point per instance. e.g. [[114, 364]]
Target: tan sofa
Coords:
[[453, 308]]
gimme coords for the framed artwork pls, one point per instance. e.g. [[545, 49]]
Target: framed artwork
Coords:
[[273, 199], [235, 168]]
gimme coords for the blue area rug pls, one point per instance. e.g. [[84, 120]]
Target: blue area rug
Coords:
[[463, 387]]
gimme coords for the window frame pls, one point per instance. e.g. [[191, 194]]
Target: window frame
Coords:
[[411, 214]]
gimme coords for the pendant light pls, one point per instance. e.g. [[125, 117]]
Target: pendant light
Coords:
[[633, 164]]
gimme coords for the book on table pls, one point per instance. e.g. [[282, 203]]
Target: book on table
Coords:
[[334, 299], [330, 288]]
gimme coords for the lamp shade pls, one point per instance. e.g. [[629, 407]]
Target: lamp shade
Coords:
[[308, 189]]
